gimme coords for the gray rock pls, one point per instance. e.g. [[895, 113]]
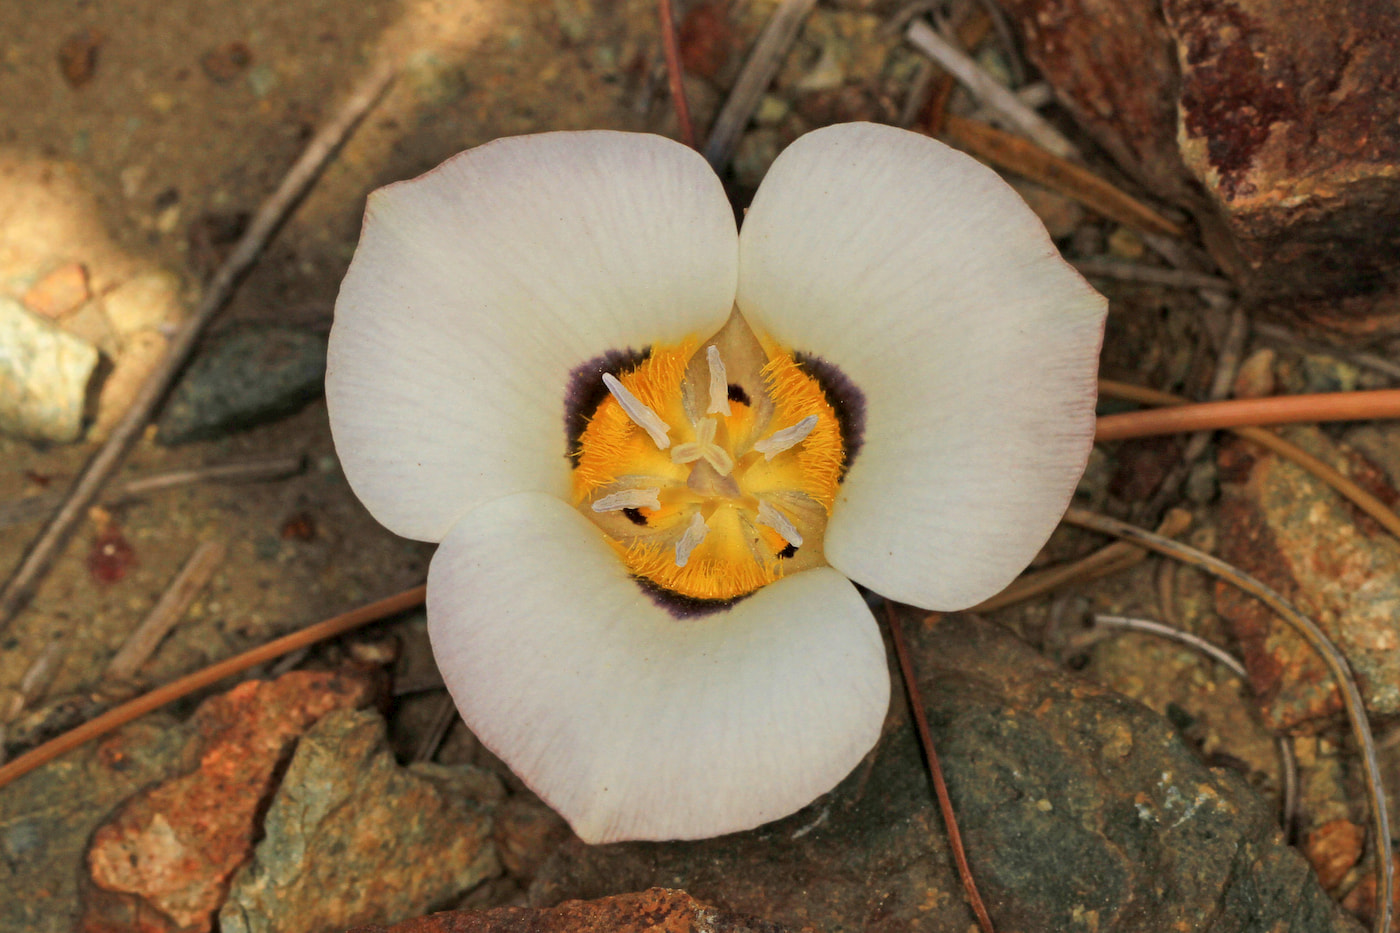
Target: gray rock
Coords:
[[44, 376], [47, 817], [353, 838], [247, 377], [1080, 810]]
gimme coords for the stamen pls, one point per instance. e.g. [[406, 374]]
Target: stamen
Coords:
[[629, 499], [704, 446], [780, 441], [719, 383], [642, 416], [767, 515], [694, 533]]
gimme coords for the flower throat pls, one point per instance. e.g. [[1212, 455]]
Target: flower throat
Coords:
[[712, 466]]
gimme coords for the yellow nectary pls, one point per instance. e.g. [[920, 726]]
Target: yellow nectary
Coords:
[[712, 466]]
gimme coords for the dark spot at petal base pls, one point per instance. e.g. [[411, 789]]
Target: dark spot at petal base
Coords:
[[845, 399], [635, 516], [788, 551], [737, 394], [585, 391], [685, 607]]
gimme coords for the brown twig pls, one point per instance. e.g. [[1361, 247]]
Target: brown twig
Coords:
[[1314, 636], [33, 508], [265, 222], [1249, 412], [675, 73], [168, 610], [945, 803], [1345, 487], [121, 715], [765, 57], [1014, 154]]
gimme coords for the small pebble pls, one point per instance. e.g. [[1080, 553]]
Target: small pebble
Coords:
[[58, 292], [226, 62], [77, 56]]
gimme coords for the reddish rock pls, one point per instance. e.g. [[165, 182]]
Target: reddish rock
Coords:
[[163, 861], [58, 292], [1277, 124], [77, 56], [1339, 567], [1361, 900], [1333, 848], [655, 911]]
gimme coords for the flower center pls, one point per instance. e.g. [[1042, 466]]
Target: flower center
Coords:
[[712, 466]]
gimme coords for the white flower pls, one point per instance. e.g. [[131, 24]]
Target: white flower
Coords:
[[876, 269]]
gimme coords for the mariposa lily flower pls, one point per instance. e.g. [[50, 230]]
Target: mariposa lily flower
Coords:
[[656, 451]]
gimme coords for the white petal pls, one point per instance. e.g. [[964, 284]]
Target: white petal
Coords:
[[926, 280], [631, 722], [478, 287]]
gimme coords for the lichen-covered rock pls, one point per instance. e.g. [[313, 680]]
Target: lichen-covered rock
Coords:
[[1278, 124], [654, 911], [353, 838], [1289, 529], [1079, 808]]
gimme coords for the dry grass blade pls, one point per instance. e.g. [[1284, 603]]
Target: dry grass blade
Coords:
[[1100, 267], [33, 508], [121, 715], [767, 54], [1114, 558], [168, 610], [988, 90], [264, 224], [1359, 497], [1336, 663], [1014, 154]]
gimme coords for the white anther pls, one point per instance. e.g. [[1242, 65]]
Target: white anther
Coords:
[[629, 499], [719, 383], [767, 515], [780, 441], [704, 446], [694, 533], [642, 416]]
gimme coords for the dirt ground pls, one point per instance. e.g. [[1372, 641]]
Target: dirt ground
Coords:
[[190, 115]]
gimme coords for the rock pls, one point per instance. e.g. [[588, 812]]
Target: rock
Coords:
[[1290, 530], [527, 833], [146, 302], [1079, 808], [1333, 848], [59, 292], [44, 376], [77, 56], [141, 354], [1278, 126], [653, 911], [47, 817], [754, 154], [353, 838], [1255, 377], [163, 861], [245, 378]]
